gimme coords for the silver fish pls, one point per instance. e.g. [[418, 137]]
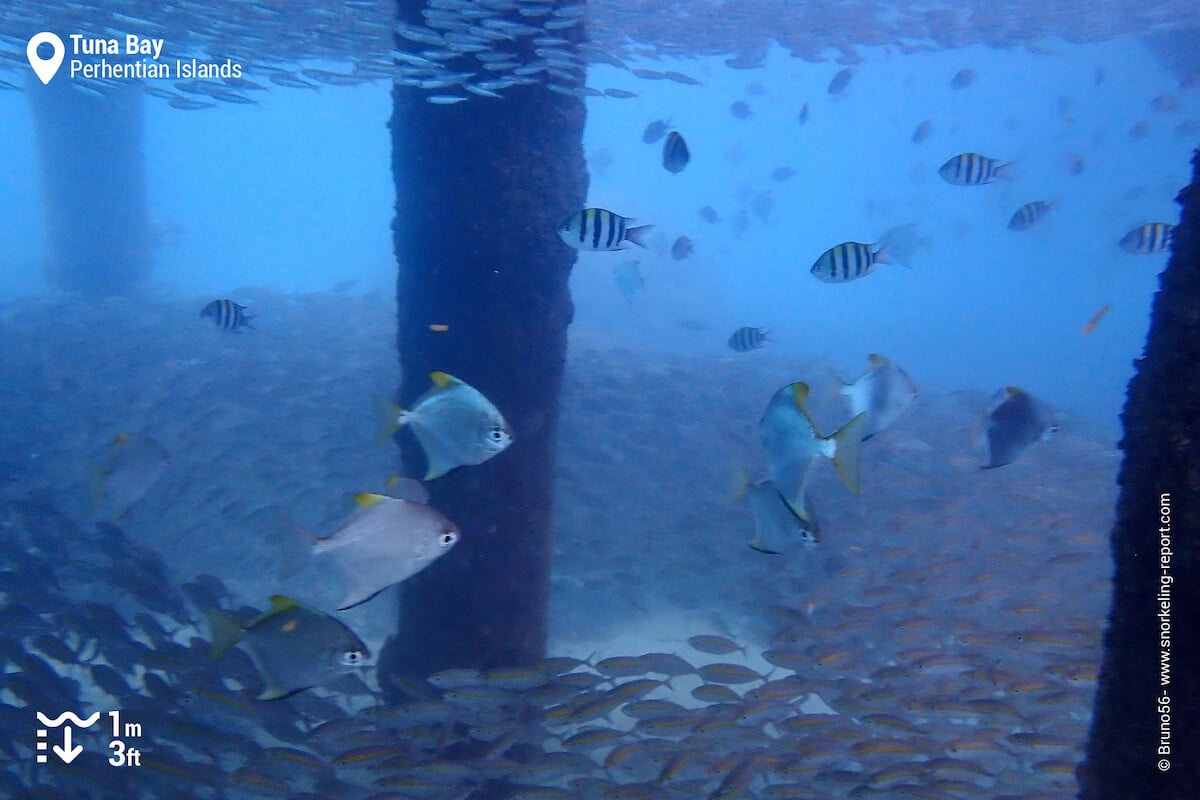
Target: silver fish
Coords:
[[775, 524], [1014, 421], [902, 243], [385, 541], [792, 444], [885, 391], [294, 647], [455, 424], [131, 468]]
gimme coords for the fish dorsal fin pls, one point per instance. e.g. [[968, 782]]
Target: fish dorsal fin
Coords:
[[800, 394], [443, 380], [368, 499], [875, 360], [281, 603]]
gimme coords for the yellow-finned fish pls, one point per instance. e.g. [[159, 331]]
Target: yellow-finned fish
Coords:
[[294, 647], [456, 425], [792, 444], [387, 540], [1014, 421]]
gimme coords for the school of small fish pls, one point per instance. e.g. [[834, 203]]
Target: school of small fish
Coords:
[[936, 706], [901, 659]]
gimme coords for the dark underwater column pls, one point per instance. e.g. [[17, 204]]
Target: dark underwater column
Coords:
[[1145, 737], [93, 186], [481, 187]]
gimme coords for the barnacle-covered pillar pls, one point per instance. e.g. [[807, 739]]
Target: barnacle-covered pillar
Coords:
[[93, 186], [1145, 737], [481, 187]]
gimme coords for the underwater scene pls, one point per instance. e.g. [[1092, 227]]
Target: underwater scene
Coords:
[[828, 421]]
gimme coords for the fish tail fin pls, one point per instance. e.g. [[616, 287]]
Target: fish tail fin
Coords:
[[1005, 170], [849, 445], [224, 632], [880, 256], [391, 418], [636, 235], [739, 483], [248, 320], [295, 547]]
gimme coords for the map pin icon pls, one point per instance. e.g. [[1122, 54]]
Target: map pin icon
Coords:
[[45, 68]]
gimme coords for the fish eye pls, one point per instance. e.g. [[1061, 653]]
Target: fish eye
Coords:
[[448, 538], [353, 658], [496, 434]]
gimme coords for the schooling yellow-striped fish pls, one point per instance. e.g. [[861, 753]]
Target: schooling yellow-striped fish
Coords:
[[600, 229]]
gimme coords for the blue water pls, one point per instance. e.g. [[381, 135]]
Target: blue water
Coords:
[[296, 194], [275, 204]]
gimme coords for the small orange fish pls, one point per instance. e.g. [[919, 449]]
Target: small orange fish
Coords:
[[1099, 315], [438, 327]]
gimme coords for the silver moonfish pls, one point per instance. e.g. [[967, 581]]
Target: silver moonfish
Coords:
[[972, 169], [884, 392], [776, 526], [383, 542], [748, 338], [902, 243], [848, 261], [455, 424], [656, 130], [1029, 215], [675, 155], [1153, 237], [1014, 421], [227, 315], [294, 647], [600, 229], [792, 445], [132, 466]]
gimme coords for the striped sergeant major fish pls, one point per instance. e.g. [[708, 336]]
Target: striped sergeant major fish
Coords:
[[227, 315], [848, 261], [1153, 237], [972, 169], [1029, 215], [748, 338], [598, 229]]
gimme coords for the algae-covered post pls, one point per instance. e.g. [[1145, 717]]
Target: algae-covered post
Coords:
[[481, 187], [94, 186], [1145, 741]]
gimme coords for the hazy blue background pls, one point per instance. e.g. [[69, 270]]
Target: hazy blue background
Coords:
[[296, 193]]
